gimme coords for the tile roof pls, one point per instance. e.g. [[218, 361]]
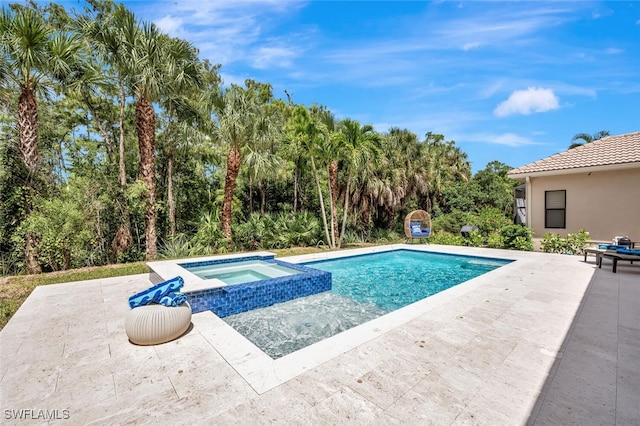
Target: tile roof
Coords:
[[610, 151]]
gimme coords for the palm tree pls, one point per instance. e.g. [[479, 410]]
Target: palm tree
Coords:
[[329, 152], [305, 130], [587, 138], [447, 165], [32, 55], [157, 67], [241, 124], [360, 148]]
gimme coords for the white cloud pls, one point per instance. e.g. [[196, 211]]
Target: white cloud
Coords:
[[614, 51], [273, 56], [170, 25], [511, 139], [506, 139], [528, 101], [470, 46]]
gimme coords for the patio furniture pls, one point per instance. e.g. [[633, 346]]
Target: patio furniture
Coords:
[[417, 224], [625, 255], [600, 250], [154, 324]]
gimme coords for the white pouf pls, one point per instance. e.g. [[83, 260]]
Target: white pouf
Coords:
[[155, 324]]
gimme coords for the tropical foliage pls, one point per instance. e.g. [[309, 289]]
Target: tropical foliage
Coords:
[[571, 244], [587, 138], [118, 143]]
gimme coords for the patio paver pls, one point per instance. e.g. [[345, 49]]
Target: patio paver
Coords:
[[549, 340]]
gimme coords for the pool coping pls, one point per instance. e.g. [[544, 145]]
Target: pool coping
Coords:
[[263, 373], [165, 269]]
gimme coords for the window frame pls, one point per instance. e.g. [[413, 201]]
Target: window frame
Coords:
[[555, 209]]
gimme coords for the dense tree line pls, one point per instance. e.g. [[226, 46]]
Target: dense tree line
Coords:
[[117, 140]]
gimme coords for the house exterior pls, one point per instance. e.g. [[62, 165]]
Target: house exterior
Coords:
[[595, 187]]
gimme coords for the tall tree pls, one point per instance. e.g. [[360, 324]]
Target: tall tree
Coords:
[[304, 129], [359, 150], [104, 28], [33, 54], [587, 138], [157, 66], [241, 124]]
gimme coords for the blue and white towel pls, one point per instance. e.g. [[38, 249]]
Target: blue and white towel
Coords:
[[173, 299], [156, 293]]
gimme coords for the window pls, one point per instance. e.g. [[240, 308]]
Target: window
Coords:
[[555, 209]]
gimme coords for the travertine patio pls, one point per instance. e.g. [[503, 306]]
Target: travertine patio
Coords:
[[546, 340]]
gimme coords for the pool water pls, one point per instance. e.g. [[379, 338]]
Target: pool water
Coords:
[[394, 279], [363, 288], [241, 272]]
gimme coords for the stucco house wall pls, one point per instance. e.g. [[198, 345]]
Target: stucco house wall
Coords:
[[605, 203]]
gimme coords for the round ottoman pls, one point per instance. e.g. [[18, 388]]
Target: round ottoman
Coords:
[[154, 324]]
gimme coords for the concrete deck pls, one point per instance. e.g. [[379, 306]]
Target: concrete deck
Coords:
[[546, 340]]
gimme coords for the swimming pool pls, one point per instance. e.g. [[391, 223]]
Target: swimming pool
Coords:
[[241, 271], [364, 287]]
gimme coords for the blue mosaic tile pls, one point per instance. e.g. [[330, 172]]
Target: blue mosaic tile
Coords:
[[224, 261], [234, 299]]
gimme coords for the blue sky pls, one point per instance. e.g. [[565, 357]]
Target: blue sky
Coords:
[[509, 81]]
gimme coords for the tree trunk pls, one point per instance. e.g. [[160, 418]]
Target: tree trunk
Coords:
[[366, 220], [170, 198], [28, 145], [28, 129], [250, 194], [324, 212], [122, 175], [31, 259], [296, 174], [333, 195], [123, 239], [103, 131], [346, 208], [234, 160], [263, 198], [146, 128]]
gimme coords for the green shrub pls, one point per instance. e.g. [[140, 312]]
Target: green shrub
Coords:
[[489, 219], [385, 235], [63, 231], [451, 222], [278, 231], [495, 240], [572, 244], [353, 237], [180, 247], [446, 238], [208, 237], [517, 237], [474, 239]]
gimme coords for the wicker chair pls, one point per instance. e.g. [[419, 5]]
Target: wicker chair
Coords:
[[417, 224]]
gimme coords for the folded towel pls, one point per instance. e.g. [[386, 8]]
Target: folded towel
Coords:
[[173, 299], [155, 293]]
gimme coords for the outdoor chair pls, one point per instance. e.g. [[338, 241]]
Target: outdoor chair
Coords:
[[417, 225]]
